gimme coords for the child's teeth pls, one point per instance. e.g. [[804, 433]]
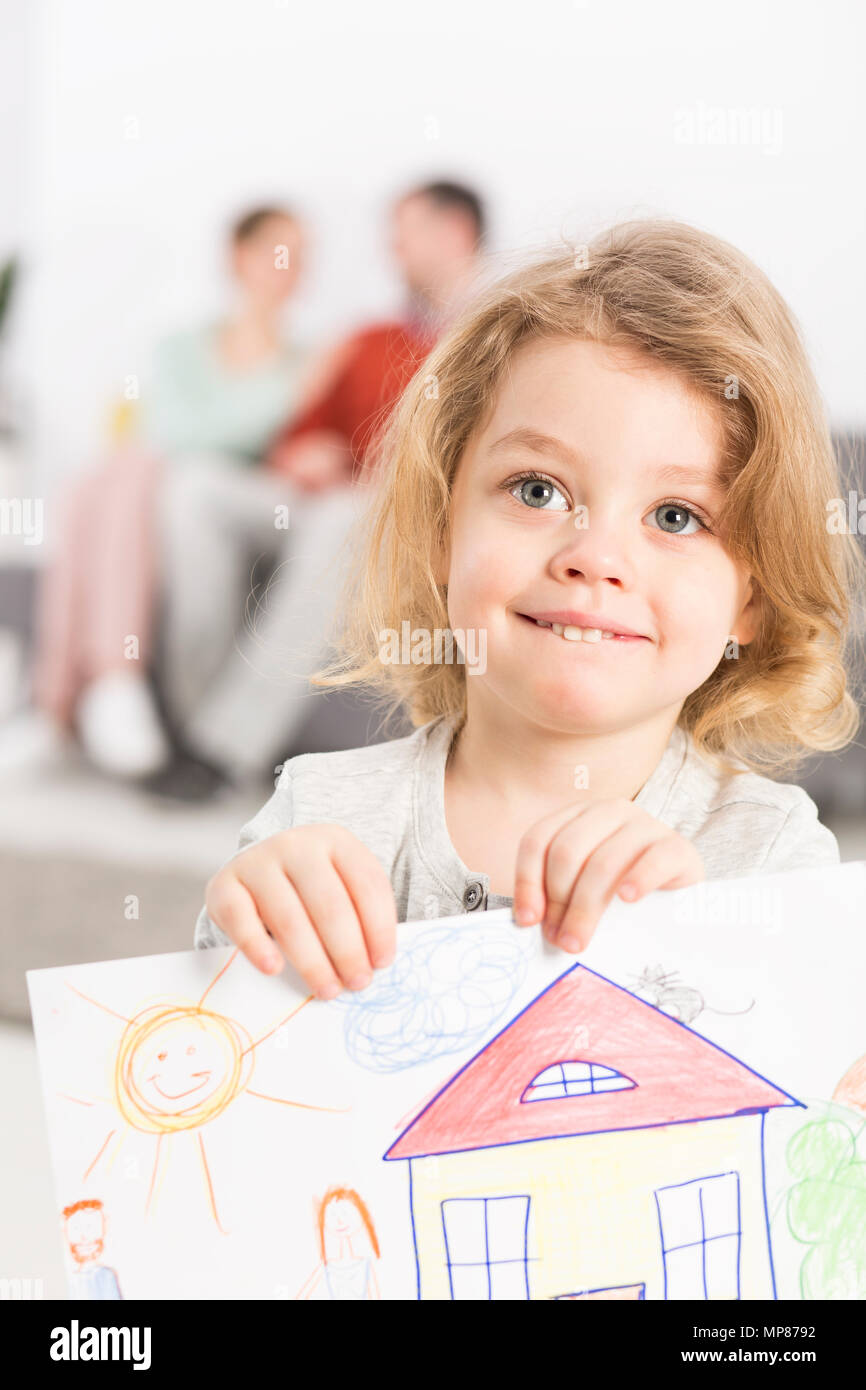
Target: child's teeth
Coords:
[[578, 634]]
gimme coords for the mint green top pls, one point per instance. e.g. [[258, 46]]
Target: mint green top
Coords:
[[196, 403]]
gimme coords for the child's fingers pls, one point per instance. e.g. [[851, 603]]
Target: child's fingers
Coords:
[[370, 889], [229, 905], [672, 862], [598, 880], [569, 852], [529, 869], [285, 917], [334, 917]]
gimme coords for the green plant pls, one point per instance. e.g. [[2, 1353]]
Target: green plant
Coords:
[[8, 277]]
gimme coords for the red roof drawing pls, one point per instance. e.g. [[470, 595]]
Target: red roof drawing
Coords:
[[680, 1075]]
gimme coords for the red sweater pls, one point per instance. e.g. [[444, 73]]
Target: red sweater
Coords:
[[379, 364]]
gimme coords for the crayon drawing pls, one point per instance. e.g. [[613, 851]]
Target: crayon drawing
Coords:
[[84, 1228], [443, 993], [179, 1065], [546, 1167], [491, 1119], [666, 991], [824, 1206], [348, 1246]]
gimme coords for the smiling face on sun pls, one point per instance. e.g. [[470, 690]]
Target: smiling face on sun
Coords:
[[583, 541], [180, 1067]]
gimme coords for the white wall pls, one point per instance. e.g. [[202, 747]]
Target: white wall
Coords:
[[564, 111]]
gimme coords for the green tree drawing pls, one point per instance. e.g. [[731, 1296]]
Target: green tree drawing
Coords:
[[826, 1208]]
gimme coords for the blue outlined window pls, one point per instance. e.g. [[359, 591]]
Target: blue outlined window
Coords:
[[701, 1232], [562, 1079], [486, 1246]]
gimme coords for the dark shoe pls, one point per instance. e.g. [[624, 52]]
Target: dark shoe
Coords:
[[186, 778]]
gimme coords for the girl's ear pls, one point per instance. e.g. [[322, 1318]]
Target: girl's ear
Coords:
[[745, 629]]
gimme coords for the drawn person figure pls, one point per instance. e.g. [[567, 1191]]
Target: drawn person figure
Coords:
[[84, 1228], [348, 1244]]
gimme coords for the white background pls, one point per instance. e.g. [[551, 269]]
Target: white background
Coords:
[[563, 112]]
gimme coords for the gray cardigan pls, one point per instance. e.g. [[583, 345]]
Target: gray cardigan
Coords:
[[391, 796]]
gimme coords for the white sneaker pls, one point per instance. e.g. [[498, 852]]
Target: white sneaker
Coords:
[[31, 740], [119, 726]]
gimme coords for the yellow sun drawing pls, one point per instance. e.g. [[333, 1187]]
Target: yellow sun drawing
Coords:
[[178, 1066]]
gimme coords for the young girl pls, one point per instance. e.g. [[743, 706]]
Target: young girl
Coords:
[[613, 476]]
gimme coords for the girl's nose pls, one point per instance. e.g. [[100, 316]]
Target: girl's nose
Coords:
[[596, 551]]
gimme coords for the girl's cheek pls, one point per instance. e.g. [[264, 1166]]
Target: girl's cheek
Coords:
[[477, 576]]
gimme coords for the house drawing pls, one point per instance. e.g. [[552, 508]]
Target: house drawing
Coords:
[[595, 1148]]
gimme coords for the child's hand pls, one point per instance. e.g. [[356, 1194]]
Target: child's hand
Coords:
[[571, 863], [317, 894]]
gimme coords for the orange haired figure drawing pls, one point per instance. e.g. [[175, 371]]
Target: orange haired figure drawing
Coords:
[[180, 1065], [348, 1246]]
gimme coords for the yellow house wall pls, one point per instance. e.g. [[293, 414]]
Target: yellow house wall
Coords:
[[593, 1220]]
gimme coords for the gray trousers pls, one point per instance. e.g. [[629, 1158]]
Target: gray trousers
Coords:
[[239, 647]]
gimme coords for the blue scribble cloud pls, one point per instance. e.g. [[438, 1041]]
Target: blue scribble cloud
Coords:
[[444, 991]]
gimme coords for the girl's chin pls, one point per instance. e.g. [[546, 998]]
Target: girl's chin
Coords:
[[595, 713]]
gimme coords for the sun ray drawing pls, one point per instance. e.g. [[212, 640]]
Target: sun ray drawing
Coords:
[[179, 1065]]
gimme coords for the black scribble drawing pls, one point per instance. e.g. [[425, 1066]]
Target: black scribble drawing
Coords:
[[664, 989]]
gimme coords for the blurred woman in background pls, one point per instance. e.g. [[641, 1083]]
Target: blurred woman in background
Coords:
[[218, 392]]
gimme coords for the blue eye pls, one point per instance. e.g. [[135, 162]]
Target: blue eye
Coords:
[[676, 519], [537, 491]]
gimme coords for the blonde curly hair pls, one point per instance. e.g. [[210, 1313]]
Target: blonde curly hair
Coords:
[[700, 307]]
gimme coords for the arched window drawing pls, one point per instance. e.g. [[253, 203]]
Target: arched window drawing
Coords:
[[563, 1079]]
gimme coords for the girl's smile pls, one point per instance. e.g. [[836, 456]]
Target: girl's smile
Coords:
[[583, 627]]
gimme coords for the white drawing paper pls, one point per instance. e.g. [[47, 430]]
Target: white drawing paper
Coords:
[[676, 1113]]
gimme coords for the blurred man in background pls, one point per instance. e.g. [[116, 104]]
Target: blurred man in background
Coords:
[[437, 232]]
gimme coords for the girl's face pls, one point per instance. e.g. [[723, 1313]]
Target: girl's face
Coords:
[[590, 499]]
